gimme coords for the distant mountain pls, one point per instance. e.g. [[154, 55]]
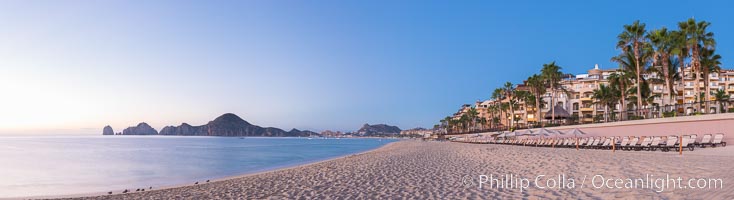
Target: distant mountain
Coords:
[[378, 130], [232, 125], [141, 129], [107, 130]]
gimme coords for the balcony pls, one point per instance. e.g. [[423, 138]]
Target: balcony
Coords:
[[586, 109], [585, 99], [731, 89]]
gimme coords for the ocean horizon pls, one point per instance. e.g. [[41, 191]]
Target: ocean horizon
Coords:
[[68, 165]]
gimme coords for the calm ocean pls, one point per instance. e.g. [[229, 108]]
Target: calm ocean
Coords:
[[35, 166]]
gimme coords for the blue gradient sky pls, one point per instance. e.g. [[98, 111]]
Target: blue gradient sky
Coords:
[[75, 66]]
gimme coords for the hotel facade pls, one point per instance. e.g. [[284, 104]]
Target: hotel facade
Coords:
[[576, 99]]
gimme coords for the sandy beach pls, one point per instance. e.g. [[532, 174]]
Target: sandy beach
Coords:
[[445, 170]]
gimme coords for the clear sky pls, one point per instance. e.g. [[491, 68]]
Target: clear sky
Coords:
[[71, 67]]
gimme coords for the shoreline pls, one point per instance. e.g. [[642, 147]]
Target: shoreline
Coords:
[[214, 180], [438, 170]]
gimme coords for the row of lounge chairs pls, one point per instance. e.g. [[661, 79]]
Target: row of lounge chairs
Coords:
[[664, 143]]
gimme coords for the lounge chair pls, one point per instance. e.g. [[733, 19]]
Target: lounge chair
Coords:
[[570, 142], [670, 143], [633, 144], [718, 140], [591, 143], [583, 142], [624, 143], [644, 144], [693, 138], [685, 143], [595, 142], [608, 143], [705, 141], [655, 143], [600, 145]]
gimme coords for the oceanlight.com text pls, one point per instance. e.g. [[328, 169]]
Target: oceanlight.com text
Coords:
[[658, 183]]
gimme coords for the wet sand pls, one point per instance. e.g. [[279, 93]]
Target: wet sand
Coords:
[[446, 170]]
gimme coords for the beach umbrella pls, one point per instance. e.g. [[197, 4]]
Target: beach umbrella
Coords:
[[545, 132], [525, 132], [548, 133], [575, 132]]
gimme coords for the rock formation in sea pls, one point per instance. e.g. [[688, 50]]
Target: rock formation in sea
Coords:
[[378, 130], [140, 129], [232, 125], [107, 130]]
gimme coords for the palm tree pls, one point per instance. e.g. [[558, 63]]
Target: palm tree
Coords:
[[620, 81], [482, 123], [498, 94], [696, 37], [509, 90], [723, 98], [680, 50], [445, 123], [606, 96], [524, 96], [493, 110], [504, 110], [472, 117], [710, 63], [634, 36], [552, 75], [449, 124], [538, 88], [662, 40], [463, 120], [646, 94]]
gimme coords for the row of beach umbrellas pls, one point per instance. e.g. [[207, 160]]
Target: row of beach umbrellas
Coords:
[[542, 132]]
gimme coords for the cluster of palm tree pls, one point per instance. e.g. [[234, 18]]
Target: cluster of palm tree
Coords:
[[467, 122], [662, 53], [537, 86]]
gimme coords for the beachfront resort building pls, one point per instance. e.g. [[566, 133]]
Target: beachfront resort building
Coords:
[[425, 133], [575, 103]]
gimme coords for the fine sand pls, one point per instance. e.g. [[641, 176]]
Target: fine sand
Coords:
[[445, 170]]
